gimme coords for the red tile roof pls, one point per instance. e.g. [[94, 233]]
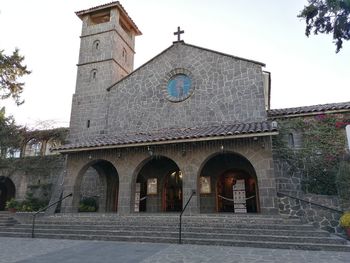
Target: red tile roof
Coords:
[[309, 110], [215, 132]]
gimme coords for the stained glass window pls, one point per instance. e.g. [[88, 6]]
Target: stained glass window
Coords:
[[179, 86]]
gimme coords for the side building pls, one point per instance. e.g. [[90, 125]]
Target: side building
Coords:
[[312, 162], [30, 170]]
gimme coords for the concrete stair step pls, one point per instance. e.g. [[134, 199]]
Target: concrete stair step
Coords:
[[174, 233], [231, 230], [274, 245], [185, 223], [239, 243], [170, 219], [174, 218], [237, 230], [5, 220]]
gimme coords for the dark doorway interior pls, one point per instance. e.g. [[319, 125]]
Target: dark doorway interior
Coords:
[[160, 186], [172, 192], [228, 183], [225, 184], [7, 191]]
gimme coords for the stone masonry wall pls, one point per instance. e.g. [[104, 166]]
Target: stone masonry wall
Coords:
[[226, 89], [35, 180], [319, 217], [106, 55], [290, 183], [189, 157]]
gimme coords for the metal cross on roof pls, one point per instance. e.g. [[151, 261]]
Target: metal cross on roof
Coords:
[[178, 33]]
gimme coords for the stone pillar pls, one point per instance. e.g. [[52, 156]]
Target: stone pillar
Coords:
[[67, 205], [125, 173], [189, 184], [264, 166], [70, 204]]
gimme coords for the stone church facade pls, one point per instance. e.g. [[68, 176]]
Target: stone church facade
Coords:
[[152, 136], [189, 122]]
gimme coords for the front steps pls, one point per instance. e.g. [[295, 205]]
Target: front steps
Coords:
[[7, 219], [263, 231]]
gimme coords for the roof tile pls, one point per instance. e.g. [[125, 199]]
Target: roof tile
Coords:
[[309, 109], [172, 135]]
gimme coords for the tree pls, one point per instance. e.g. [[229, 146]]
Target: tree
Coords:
[[10, 134], [11, 68], [328, 16]]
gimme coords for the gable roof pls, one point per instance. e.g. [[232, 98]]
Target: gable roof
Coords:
[[177, 135], [188, 45], [309, 110]]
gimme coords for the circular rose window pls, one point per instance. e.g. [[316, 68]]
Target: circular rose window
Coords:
[[179, 87]]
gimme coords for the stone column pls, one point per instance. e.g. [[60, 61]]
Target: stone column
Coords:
[[189, 184], [125, 173]]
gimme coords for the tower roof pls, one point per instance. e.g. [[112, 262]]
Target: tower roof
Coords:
[[117, 4]]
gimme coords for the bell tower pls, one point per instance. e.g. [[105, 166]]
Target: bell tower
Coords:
[[106, 55]]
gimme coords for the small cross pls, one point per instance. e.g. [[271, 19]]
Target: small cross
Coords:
[[178, 33]]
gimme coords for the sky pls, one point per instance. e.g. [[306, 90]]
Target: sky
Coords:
[[305, 71]]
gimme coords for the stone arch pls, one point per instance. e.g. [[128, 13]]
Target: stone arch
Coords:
[[33, 147], [96, 46], [93, 74], [98, 179], [157, 185], [7, 191], [51, 143], [218, 175]]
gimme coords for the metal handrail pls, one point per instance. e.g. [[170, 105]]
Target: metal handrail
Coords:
[[43, 209], [312, 203], [183, 210]]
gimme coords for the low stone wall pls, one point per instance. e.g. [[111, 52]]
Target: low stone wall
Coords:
[[35, 175], [320, 217], [26, 217]]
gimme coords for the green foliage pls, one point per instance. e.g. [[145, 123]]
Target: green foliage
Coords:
[[10, 134], [343, 180], [328, 16], [30, 204], [345, 220], [321, 153], [36, 165], [12, 204], [11, 68], [88, 204]]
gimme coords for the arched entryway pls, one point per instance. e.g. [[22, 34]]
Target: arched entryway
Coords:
[[227, 183], [158, 186], [7, 191], [97, 185]]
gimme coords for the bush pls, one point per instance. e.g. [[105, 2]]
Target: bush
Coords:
[[12, 204], [30, 204], [345, 220], [88, 204]]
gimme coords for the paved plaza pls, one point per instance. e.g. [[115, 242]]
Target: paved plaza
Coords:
[[26, 250]]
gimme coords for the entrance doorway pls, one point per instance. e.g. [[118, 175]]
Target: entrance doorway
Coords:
[[228, 183], [7, 191], [172, 192], [158, 186], [226, 189]]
